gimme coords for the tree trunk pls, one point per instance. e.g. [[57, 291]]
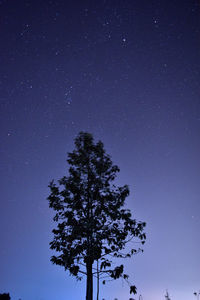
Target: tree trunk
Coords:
[[97, 279], [89, 292]]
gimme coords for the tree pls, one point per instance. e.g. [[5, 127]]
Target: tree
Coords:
[[92, 223]]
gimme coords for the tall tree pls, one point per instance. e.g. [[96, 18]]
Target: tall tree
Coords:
[[92, 223]]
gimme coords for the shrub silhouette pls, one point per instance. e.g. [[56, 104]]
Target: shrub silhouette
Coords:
[[5, 296]]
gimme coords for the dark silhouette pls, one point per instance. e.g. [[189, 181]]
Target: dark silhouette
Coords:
[[92, 224], [167, 296], [5, 296]]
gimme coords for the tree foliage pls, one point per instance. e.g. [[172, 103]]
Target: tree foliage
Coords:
[[92, 223]]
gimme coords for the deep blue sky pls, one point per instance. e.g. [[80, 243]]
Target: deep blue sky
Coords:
[[128, 72]]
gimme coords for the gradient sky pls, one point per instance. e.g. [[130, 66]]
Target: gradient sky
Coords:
[[127, 72]]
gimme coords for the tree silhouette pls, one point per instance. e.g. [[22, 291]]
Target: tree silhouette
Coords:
[[92, 223]]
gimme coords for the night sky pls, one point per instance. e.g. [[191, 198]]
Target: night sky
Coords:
[[128, 72]]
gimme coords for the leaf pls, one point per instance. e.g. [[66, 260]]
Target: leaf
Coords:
[[126, 276], [133, 289]]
